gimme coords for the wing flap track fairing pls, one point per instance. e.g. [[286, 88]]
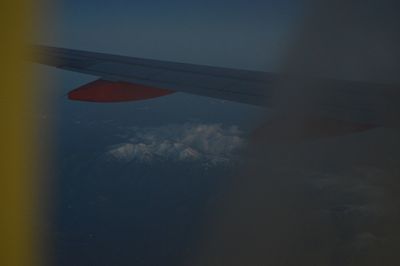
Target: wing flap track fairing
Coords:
[[108, 91]]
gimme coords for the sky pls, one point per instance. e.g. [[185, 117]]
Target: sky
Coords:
[[239, 35]]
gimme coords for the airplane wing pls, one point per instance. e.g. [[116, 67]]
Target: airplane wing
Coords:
[[123, 78], [223, 83]]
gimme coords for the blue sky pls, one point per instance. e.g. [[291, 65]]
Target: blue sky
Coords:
[[239, 34]]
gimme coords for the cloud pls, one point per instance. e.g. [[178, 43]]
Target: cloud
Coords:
[[210, 143]]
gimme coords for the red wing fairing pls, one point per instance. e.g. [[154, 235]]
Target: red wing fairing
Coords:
[[109, 91], [128, 79]]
